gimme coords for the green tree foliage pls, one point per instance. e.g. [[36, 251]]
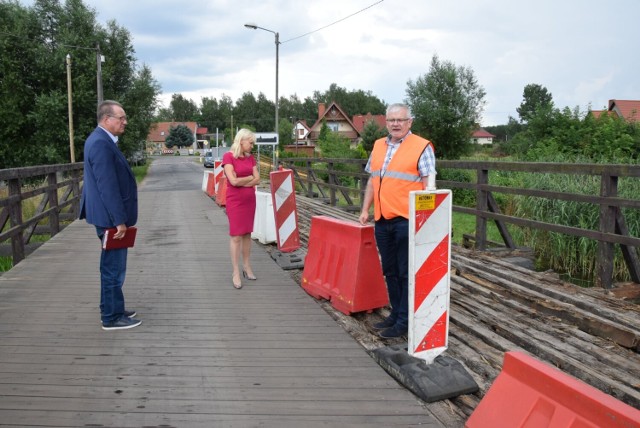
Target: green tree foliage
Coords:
[[504, 133], [558, 135], [334, 146], [34, 43], [447, 104], [352, 102], [141, 98], [535, 98], [285, 134], [179, 136], [370, 134], [259, 111], [183, 109]]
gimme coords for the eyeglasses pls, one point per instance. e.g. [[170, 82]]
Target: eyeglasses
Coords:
[[120, 118], [397, 120]]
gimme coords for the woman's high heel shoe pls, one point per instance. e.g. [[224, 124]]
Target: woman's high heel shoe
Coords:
[[246, 275], [236, 285]]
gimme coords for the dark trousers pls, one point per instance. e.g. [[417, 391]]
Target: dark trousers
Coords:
[[392, 239], [113, 269]]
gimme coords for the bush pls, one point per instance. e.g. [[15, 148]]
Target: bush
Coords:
[[462, 197]]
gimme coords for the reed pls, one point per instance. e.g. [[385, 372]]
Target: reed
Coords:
[[573, 256]]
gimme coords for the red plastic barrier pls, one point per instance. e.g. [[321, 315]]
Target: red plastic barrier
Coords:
[[531, 394], [342, 265], [221, 194], [211, 192]]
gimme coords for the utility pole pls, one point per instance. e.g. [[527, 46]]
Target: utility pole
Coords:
[[99, 72], [71, 148]]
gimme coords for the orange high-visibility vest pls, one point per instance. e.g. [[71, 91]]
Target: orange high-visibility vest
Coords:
[[391, 190]]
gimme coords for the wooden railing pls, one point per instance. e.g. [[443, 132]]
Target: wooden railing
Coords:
[[54, 191], [612, 229]]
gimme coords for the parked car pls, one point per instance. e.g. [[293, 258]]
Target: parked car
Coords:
[[208, 160]]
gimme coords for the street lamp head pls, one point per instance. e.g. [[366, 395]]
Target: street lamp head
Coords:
[[251, 25]]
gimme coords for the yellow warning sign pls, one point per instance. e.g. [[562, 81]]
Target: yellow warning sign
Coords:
[[425, 202]]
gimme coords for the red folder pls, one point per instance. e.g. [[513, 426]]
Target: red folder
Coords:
[[109, 243]]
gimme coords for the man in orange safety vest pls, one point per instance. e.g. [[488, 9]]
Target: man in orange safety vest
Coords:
[[399, 163]]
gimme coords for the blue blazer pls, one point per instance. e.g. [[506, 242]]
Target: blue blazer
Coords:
[[110, 193]]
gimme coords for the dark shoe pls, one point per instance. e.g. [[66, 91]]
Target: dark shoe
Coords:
[[129, 314], [386, 323], [392, 332], [121, 324], [249, 277]]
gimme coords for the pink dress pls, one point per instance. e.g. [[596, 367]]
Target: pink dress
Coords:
[[240, 201]]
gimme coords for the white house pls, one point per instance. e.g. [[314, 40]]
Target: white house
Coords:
[[480, 136]]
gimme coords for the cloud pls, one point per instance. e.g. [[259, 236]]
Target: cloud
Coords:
[[581, 52]]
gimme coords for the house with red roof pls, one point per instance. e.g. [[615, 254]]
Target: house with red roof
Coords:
[[482, 137], [338, 121], [624, 109], [359, 121], [160, 131]]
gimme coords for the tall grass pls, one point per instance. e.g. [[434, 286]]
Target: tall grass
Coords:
[[571, 255]]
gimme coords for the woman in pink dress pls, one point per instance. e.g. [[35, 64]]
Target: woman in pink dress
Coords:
[[242, 175]]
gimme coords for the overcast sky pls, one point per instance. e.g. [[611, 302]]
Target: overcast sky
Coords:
[[584, 52]]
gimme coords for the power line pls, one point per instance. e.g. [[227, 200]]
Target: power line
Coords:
[[333, 23]]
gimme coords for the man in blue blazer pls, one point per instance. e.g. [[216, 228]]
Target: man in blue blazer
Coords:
[[110, 199]]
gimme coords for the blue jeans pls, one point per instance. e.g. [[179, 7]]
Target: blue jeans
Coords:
[[392, 239], [113, 269]]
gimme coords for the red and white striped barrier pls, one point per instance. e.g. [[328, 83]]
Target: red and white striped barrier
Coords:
[[429, 272], [217, 173], [285, 210]]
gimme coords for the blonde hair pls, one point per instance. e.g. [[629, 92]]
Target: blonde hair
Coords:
[[243, 134]]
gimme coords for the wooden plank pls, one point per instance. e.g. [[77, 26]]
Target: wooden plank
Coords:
[[205, 355]]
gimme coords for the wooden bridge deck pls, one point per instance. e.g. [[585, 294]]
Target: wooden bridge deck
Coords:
[[206, 355]]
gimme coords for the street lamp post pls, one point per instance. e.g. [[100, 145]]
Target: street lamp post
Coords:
[[70, 108], [255, 27]]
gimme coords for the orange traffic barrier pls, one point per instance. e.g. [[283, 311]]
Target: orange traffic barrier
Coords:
[[211, 186], [342, 265], [221, 194], [531, 394]]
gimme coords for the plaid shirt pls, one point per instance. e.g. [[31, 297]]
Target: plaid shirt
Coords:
[[426, 163]]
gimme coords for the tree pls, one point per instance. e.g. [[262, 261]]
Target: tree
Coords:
[[534, 98], [33, 87], [285, 134], [370, 134], [184, 110], [179, 136], [142, 98], [447, 104], [352, 102]]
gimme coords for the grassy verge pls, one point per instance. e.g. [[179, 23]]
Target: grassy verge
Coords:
[[465, 224]]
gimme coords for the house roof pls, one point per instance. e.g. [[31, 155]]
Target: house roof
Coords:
[[160, 131], [628, 109], [302, 123], [482, 133], [360, 121], [332, 113]]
